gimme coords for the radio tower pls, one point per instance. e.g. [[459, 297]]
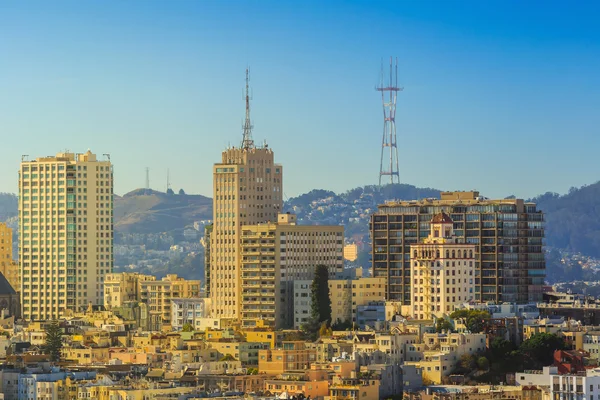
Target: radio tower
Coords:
[[247, 142], [388, 100]]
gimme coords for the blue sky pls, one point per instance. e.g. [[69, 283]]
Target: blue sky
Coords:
[[498, 96]]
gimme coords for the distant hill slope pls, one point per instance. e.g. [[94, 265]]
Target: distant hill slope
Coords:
[[573, 220], [138, 212], [9, 203]]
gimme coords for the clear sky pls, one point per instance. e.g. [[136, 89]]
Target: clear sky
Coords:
[[500, 96]]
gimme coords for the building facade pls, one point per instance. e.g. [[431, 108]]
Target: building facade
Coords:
[[207, 257], [125, 288], [302, 302], [348, 294], [508, 235], [191, 311], [247, 190], [8, 267], [274, 255], [65, 233], [442, 271]]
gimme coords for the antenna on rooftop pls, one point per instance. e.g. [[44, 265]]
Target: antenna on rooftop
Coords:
[[169, 190], [247, 141]]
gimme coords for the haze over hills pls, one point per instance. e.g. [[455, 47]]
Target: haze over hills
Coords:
[[572, 219]]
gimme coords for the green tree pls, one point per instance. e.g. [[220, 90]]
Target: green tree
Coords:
[[319, 296], [53, 344], [467, 362], [483, 363], [538, 350], [475, 320], [187, 327], [443, 325], [500, 348]]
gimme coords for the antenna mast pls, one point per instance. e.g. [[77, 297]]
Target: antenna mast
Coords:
[[388, 141], [147, 180], [247, 142], [168, 180]]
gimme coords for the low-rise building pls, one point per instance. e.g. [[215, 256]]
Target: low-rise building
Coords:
[[190, 311], [353, 388], [292, 356]]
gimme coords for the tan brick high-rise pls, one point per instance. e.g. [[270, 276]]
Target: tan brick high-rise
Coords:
[[65, 233], [247, 190]]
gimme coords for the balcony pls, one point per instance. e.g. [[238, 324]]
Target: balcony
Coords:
[[251, 286]]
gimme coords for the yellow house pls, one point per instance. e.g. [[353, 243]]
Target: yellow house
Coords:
[[352, 388], [263, 334], [435, 366], [86, 355]]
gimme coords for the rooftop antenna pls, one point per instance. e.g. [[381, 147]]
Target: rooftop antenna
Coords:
[[24, 156], [107, 156], [388, 141], [168, 180], [247, 142]]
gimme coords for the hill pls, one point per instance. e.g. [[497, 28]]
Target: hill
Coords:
[[573, 220], [154, 212]]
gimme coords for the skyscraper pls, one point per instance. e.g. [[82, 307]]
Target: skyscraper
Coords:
[[247, 190], [65, 233], [508, 235]]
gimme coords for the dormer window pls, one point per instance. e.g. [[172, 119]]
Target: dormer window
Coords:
[[436, 233]]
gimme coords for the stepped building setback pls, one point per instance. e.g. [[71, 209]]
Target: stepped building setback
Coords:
[[508, 236], [274, 255], [65, 233]]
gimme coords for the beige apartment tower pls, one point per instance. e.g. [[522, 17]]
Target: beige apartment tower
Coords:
[[8, 267], [65, 233], [442, 271], [247, 190], [273, 256]]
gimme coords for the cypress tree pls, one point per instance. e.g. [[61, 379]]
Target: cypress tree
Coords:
[[320, 301], [53, 344]]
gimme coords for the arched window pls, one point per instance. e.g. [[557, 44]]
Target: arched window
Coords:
[[453, 254], [464, 254], [415, 254], [470, 253], [447, 253], [437, 254]]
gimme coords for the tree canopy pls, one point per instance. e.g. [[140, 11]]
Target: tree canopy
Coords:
[[475, 320], [53, 343], [319, 296]]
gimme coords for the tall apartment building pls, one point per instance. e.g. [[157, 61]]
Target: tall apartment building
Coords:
[[65, 233], [442, 271], [273, 256], [247, 190], [508, 235], [8, 267], [124, 287]]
